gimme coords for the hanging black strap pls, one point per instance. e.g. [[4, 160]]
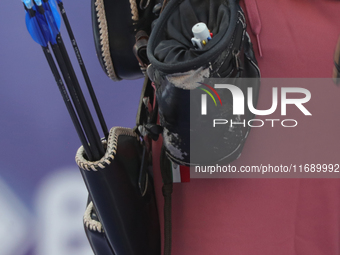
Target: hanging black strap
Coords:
[[337, 66], [166, 171]]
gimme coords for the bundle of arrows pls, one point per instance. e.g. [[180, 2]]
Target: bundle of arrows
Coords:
[[43, 23]]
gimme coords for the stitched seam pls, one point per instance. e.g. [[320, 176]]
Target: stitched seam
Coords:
[[91, 223], [110, 153], [104, 40], [134, 10]]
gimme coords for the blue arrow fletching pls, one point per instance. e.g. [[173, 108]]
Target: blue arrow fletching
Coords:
[[56, 15], [34, 30], [45, 28], [53, 20]]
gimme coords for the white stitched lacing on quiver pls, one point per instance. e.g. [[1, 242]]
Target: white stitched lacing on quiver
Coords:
[[104, 35], [109, 156], [91, 223]]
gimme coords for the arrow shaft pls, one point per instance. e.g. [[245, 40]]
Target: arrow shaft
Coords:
[[78, 99], [43, 24], [67, 101], [83, 69]]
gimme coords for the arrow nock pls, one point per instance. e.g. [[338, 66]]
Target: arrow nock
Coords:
[[28, 3], [38, 2]]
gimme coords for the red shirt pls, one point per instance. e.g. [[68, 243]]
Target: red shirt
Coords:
[[273, 216]]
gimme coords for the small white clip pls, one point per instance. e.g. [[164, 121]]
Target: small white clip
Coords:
[[201, 35]]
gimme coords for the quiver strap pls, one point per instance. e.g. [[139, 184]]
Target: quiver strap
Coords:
[[336, 69]]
